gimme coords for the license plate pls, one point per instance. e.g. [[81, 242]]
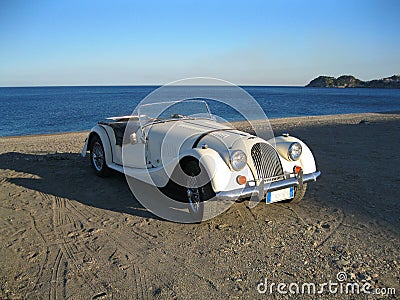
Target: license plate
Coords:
[[280, 195]]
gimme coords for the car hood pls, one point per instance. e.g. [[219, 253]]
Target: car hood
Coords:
[[167, 140]]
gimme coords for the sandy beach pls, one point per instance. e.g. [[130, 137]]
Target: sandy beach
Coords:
[[67, 234]]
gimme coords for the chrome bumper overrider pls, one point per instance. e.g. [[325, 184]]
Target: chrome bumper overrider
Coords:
[[261, 189]]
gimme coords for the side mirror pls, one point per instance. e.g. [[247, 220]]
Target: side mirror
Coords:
[[133, 138]]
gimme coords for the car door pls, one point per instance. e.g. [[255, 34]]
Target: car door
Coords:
[[134, 152]]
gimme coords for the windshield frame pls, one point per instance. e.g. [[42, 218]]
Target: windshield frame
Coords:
[[168, 104]]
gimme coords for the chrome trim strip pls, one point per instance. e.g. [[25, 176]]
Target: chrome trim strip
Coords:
[[273, 186]]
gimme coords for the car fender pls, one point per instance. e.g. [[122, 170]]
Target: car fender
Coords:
[[306, 161], [222, 177], [105, 140]]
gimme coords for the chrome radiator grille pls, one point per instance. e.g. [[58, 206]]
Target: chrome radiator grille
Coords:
[[266, 161]]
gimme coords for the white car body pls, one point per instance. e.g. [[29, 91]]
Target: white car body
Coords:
[[151, 152]]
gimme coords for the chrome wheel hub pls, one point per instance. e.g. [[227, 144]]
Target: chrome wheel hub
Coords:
[[193, 194], [98, 156]]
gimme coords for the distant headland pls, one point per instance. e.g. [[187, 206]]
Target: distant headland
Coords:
[[348, 81]]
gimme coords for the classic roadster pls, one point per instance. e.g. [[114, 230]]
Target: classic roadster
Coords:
[[180, 148]]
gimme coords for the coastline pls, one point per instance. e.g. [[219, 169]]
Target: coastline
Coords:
[[349, 81], [70, 234]]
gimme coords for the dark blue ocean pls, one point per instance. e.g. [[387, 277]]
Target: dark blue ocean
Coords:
[[35, 110]]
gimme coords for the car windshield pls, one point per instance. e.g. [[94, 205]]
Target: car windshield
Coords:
[[174, 110]]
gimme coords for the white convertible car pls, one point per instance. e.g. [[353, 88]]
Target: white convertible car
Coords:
[[181, 149]]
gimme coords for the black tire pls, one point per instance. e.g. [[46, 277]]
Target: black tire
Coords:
[[97, 157], [299, 194], [196, 195]]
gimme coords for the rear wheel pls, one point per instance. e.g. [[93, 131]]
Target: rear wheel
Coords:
[[98, 157]]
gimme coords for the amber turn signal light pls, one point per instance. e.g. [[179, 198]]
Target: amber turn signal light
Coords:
[[241, 179], [297, 169]]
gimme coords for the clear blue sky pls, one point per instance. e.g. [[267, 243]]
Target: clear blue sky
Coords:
[[85, 42]]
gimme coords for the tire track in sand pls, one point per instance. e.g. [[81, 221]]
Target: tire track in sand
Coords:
[[140, 254], [55, 274], [147, 254], [125, 260], [63, 219]]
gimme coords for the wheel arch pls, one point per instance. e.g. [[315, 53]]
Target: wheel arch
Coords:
[[307, 160], [101, 132], [186, 160], [218, 171]]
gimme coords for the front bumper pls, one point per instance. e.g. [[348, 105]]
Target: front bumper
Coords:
[[261, 189]]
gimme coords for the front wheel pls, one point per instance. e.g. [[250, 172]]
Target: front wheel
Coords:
[[194, 197], [190, 184], [98, 157], [196, 191], [299, 194]]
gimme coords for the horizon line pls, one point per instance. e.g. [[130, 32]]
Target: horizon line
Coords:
[[146, 85]]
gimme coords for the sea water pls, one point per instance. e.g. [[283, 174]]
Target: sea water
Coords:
[[36, 110]]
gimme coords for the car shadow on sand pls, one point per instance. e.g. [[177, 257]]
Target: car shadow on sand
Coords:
[[68, 175]]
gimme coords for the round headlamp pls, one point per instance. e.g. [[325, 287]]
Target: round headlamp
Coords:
[[238, 160], [294, 151]]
